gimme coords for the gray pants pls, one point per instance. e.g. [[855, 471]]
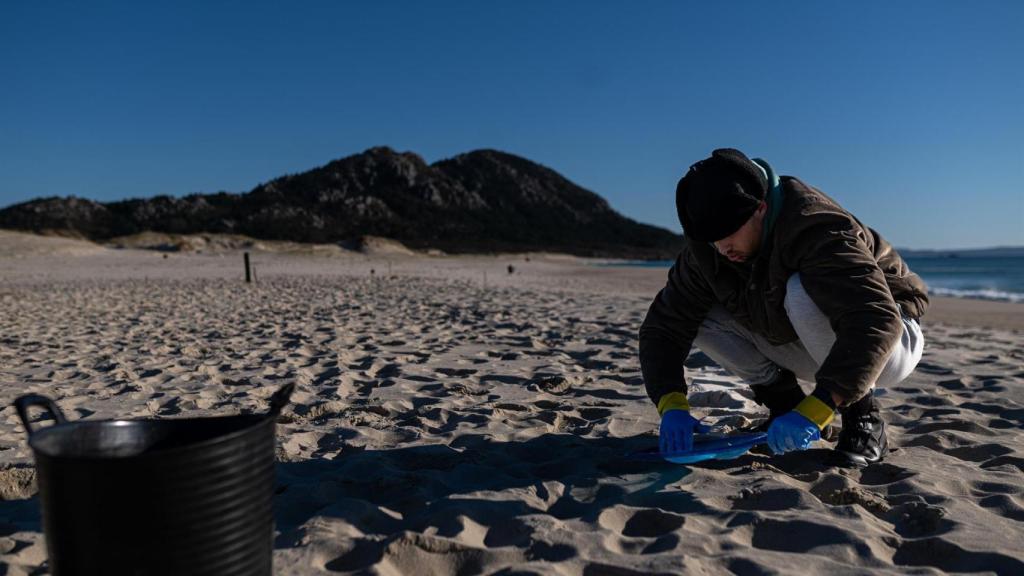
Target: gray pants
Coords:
[[749, 355]]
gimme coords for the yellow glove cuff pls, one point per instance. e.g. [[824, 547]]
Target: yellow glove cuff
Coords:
[[672, 401], [816, 411]]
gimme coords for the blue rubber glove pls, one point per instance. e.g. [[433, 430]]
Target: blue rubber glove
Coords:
[[677, 428], [792, 431]]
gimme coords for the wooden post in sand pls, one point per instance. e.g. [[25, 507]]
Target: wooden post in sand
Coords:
[[248, 275]]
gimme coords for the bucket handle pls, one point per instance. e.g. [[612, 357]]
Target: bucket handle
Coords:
[[27, 401], [280, 398]]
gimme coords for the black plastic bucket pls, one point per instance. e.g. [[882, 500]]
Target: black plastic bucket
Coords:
[[146, 497]]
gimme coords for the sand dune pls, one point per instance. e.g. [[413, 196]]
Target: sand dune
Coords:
[[448, 423], [24, 245]]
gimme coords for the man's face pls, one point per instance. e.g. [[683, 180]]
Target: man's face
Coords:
[[743, 244]]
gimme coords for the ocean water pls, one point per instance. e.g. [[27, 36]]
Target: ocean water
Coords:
[[986, 278], [964, 277]]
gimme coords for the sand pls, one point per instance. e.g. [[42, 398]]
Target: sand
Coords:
[[452, 418]]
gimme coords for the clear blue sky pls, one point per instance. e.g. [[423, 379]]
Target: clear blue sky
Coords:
[[910, 113]]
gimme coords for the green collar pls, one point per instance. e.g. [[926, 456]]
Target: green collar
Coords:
[[774, 198]]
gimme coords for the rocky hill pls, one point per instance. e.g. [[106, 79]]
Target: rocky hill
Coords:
[[482, 201]]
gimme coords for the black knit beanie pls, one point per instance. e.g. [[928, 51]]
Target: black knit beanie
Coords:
[[719, 194]]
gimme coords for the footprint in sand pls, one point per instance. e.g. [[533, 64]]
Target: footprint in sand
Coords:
[[770, 500], [940, 553], [958, 425], [511, 532], [848, 495], [593, 414], [1007, 463], [915, 519], [456, 372], [884, 473], [641, 523], [386, 370], [553, 383], [1004, 505], [560, 422], [953, 384], [979, 452], [928, 368], [988, 359], [412, 553], [802, 536]]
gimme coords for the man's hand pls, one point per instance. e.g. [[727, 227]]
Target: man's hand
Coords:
[[677, 428], [792, 431], [796, 429]]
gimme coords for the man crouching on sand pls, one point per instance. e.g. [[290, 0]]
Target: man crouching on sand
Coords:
[[777, 282]]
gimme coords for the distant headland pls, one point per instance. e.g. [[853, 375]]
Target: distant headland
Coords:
[[481, 201]]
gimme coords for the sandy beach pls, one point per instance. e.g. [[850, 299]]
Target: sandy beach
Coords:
[[454, 418]]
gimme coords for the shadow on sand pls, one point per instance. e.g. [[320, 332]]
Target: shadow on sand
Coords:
[[387, 493]]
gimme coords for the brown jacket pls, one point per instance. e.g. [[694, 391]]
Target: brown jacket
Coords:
[[855, 277]]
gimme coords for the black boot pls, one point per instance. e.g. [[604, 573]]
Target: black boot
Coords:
[[779, 397], [862, 440]]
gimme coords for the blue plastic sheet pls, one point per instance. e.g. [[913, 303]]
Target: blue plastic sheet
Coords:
[[721, 448]]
